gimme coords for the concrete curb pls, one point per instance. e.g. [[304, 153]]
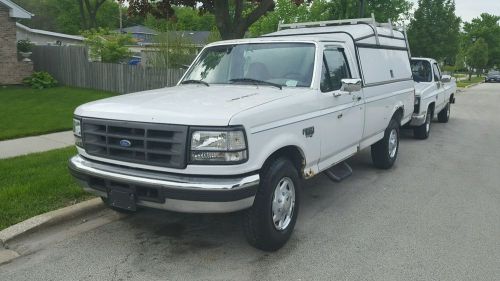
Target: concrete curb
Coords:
[[471, 85], [48, 219]]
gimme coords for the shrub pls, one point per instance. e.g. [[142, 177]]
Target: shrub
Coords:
[[24, 46], [40, 80], [106, 46]]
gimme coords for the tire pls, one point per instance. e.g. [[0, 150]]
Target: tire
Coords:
[[119, 210], [385, 151], [444, 115], [423, 131], [259, 224]]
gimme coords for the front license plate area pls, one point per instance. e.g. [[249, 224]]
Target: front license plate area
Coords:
[[122, 199]]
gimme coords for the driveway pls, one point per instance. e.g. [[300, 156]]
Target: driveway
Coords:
[[434, 216]]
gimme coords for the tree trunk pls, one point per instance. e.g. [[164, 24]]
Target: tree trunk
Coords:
[[84, 24], [236, 27]]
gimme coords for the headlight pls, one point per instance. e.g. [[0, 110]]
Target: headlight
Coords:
[[221, 146], [77, 131], [77, 127]]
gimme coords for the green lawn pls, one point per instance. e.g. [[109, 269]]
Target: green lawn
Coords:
[[474, 80], [37, 183], [27, 112]]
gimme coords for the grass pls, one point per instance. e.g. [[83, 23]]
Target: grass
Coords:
[[37, 183], [474, 80], [28, 112]]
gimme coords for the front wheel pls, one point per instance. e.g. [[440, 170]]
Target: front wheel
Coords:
[[269, 223], [444, 115], [423, 131], [385, 151]]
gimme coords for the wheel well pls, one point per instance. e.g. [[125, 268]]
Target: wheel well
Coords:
[[293, 153], [398, 115], [431, 107]]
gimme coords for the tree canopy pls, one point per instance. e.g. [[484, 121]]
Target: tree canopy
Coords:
[[65, 16], [477, 55], [435, 30], [232, 18], [486, 27]]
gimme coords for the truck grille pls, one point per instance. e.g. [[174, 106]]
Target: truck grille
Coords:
[[144, 143]]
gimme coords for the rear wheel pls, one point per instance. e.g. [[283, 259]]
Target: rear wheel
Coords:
[[444, 115], [385, 151], [423, 131], [269, 223]]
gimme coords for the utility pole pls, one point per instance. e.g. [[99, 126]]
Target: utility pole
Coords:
[[120, 11], [361, 8]]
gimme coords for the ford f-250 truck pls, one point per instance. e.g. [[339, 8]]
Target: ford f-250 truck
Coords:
[[249, 119], [434, 95]]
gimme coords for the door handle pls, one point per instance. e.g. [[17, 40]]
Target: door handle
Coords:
[[340, 115], [356, 98]]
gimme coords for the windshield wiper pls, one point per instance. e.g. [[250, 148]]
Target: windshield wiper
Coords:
[[192, 81], [256, 82]]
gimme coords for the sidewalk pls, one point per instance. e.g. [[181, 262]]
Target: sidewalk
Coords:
[[22, 146]]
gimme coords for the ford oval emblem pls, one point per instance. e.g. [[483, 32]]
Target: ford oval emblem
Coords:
[[125, 143]]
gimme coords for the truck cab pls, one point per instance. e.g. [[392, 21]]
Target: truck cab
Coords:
[[249, 120], [434, 95]]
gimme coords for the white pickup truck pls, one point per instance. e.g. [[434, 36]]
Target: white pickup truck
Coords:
[[248, 121], [434, 94]]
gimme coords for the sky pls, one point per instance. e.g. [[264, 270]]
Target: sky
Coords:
[[469, 9]]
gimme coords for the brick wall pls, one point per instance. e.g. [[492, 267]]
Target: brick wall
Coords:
[[11, 70]]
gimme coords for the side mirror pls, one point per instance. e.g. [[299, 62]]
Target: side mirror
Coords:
[[446, 78], [351, 85]]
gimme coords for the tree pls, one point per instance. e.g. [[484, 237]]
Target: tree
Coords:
[[232, 18], [185, 18], [64, 16], [486, 27], [287, 11], [477, 56], [88, 12], [434, 30]]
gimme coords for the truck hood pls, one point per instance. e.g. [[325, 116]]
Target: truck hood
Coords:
[[422, 87], [186, 104]]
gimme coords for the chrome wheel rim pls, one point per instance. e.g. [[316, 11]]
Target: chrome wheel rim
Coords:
[[283, 203], [393, 143]]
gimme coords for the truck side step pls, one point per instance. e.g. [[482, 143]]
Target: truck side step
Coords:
[[339, 172]]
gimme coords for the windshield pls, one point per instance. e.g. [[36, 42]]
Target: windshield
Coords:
[[285, 64], [421, 70], [493, 73]]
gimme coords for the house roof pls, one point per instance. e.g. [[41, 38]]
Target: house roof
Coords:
[[139, 29], [196, 37], [49, 33], [16, 11]]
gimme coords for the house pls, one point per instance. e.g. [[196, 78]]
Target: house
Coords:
[[43, 37], [12, 71]]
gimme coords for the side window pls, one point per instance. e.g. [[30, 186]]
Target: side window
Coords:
[[437, 73], [335, 68]]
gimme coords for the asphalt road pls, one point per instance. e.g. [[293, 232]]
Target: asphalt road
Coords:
[[434, 216]]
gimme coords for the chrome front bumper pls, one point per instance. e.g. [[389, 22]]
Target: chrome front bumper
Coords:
[[418, 119], [189, 194]]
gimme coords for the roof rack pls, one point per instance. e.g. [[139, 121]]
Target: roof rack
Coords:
[[371, 21]]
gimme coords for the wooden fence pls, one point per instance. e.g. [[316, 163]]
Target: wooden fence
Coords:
[[70, 66]]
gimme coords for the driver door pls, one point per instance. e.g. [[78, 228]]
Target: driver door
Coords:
[[342, 121]]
